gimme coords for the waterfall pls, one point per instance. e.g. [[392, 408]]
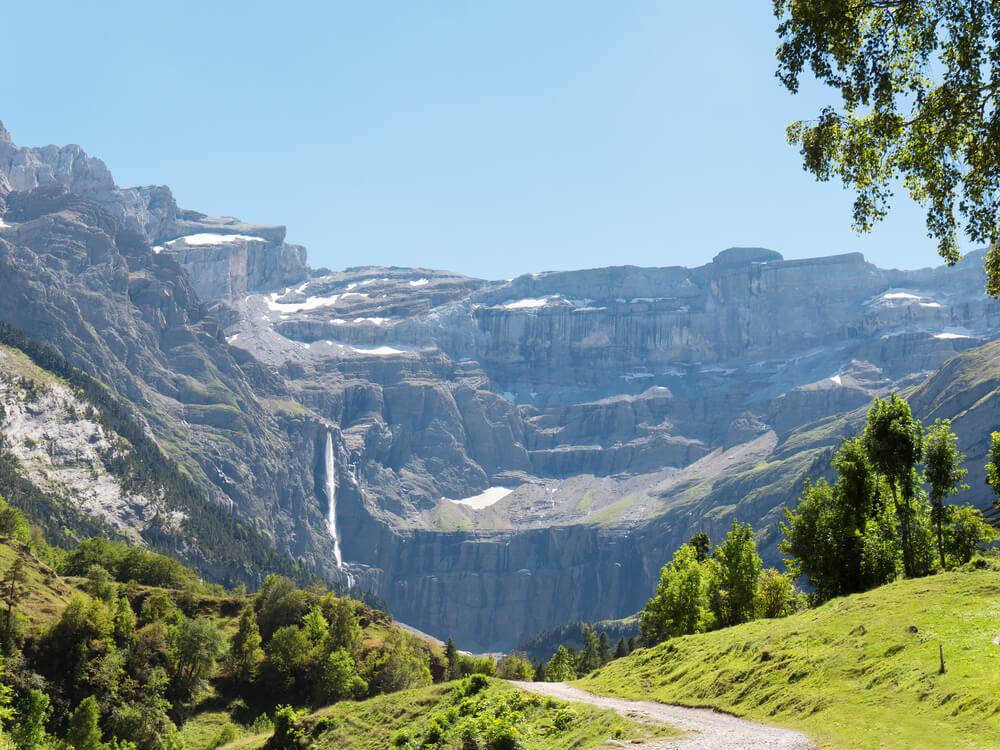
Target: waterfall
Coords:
[[331, 499]]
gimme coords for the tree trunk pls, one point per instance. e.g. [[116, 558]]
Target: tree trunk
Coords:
[[940, 522], [903, 513]]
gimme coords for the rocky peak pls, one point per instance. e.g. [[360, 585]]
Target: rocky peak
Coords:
[[224, 256], [742, 256]]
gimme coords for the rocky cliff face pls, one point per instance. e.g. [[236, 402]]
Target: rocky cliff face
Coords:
[[507, 455]]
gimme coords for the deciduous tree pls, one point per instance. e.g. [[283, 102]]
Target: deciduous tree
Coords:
[[943, 473], [733, 594], [919, 84], [679, 604], [894, 442]]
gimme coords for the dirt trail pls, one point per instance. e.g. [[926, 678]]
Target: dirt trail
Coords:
[[711, 730]]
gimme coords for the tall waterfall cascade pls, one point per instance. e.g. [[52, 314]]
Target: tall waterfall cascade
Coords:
[[331, 498]]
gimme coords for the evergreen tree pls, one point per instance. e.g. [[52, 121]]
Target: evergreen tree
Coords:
[[451, 657], [590, 657], [12, 588], [943, 473], [83, 732], [701, 545], [540, 672], [621, 648], [604, 648], [894, 441]]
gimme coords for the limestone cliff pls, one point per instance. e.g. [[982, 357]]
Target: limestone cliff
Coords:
[[504, 456]]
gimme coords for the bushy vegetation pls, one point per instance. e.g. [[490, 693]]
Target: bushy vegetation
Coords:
[[879, 520], [477, 712], [137, 647], [700, 591]]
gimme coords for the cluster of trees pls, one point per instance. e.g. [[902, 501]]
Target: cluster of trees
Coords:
[[887, 512], [126, 663], [567, 663], [702, 589], [301, 647]]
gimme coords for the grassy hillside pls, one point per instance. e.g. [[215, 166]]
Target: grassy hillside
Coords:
[[413, 718], [45, 594], [859, 672]]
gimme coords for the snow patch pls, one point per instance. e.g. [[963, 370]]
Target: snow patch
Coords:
[[483, 499], [379, 350], [311, 303], [420, 282], [206, 238], [951, 336], [527, 304], [836, 379]]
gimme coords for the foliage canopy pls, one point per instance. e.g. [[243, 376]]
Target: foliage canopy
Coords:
[[919, 82]]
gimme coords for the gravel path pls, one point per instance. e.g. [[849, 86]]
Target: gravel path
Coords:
[[711, 730]]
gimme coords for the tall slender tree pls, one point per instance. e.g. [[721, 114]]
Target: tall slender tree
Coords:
[[737, 565], [944, 473], [83, 732], [993, 466], [894, 442], [11, 589]]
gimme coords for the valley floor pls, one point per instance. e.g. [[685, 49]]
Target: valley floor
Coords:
[[709, 730]]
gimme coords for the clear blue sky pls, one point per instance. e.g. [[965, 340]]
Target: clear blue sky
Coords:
[[490, 138]]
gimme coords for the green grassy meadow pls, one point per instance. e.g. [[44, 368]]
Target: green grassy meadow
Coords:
[[858, 672]]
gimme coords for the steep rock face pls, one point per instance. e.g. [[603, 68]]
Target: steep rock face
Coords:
[[79, 280], [506, 455]]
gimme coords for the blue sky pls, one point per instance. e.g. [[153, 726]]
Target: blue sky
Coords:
[[490, 138]]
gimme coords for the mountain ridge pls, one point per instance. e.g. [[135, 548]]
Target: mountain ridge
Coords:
[[623, 408]]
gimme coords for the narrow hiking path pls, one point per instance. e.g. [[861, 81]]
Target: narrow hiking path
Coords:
[[711, 730]]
